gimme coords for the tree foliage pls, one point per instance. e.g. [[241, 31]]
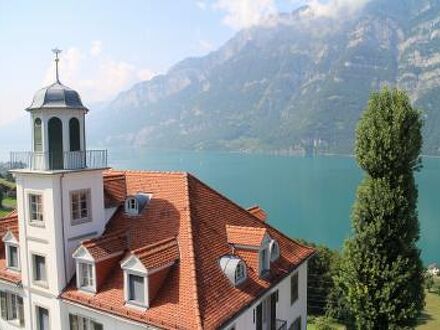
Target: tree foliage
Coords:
[[381, 274]]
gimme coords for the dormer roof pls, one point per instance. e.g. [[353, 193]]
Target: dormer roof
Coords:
[[245, 235], [159, 254]]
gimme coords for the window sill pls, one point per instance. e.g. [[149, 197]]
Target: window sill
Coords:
[[89, 290], [80, 221], [13, 269], [41, 284], [134, 304], [39, 224]]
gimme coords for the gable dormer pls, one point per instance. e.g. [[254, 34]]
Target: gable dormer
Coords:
[[96, 257], [145, 270], [12, 249], [254, 245]]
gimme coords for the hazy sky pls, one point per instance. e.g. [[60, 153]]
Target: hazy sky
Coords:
[[110, 45]]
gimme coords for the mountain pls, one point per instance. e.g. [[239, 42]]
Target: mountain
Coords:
[[295, 82]]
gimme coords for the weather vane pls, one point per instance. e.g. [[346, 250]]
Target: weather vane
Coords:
[[56, 51]]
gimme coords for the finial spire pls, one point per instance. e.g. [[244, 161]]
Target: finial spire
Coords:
[[57, 51]]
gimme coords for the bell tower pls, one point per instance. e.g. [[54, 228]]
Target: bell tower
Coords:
[[60, 199]]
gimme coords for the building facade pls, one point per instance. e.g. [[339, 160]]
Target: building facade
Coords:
[[93, 248]]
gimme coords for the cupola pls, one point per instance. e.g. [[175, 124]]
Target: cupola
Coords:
[[58, 131]]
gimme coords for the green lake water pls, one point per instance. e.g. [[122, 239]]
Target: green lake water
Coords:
[[305, 197]]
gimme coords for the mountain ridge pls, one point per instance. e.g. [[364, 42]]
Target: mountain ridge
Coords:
[[295, 83]]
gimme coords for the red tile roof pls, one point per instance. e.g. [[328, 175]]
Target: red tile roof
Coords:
[[186, 219], [158, 254], [107, 245], [240, 235]]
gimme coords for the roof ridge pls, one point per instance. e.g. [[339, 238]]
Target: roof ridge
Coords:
[[192, 253], [181, 173], [242, 209]]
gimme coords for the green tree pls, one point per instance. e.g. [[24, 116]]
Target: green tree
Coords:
[[381, 274], [1, 197]]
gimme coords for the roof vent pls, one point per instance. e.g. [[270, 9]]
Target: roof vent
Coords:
[[234, 268], [134, 204]]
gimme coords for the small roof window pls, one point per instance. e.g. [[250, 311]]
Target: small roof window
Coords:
[[234, 268], [134, 204], [274, 250]]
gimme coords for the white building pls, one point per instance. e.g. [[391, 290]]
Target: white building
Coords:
[[93, 248]]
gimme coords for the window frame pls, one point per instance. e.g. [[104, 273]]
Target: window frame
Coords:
[[82, 320], [241, 271], [39, 282], [9, 245], [37, 318], [79, 279], [14, 312], [294, 294], [77, 221], [127, 288], [39, 210], [264, 261], [274, 246], [132, 210]]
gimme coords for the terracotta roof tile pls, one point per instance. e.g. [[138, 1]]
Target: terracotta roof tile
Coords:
[[107, 245], [240, 235], [158, 254]]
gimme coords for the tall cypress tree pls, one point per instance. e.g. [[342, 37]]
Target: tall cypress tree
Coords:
[[381, 275]]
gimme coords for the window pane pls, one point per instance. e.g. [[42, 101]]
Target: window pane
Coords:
[[136, 287], [42, 318], [80, 205], [13, 256], [293, 288], [36, 207], [40, 268], [20, 310]]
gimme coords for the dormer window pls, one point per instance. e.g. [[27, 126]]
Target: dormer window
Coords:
[[131, 205], [234, 268], [136, 203], [264, 261], [274, 250], [12, 251], [12, 256], [86, 276], [85, 270], [136, 289]]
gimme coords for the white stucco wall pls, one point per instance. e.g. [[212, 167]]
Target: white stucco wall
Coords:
[[285, 311]]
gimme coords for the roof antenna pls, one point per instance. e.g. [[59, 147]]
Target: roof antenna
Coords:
[[57, 51]]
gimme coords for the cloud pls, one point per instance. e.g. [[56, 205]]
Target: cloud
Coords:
[[96, 48], [245, 13], [94, 74], [334, 8], [201, 4]]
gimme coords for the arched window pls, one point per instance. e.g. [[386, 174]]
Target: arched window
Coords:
[[274, 250], [240, 272], [56, 157], [74, 135], [38, 138]]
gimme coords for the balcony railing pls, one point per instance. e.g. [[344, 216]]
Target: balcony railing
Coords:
[[281, 325], [46, 161]]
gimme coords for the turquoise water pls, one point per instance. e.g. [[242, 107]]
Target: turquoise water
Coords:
[[310, 198]]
